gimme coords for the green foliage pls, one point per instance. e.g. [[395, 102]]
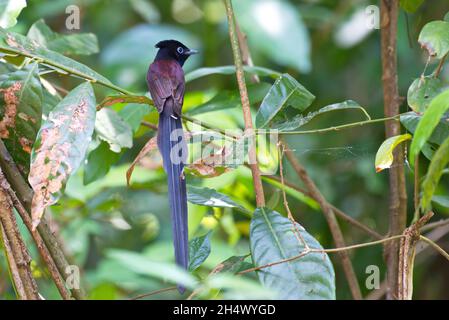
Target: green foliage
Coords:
[[273, 239], [434, 37], [428, 123], [437, 165], [422, 91], [209, 197], [411, 5], [199, 250], [286, 91], [228, 70], [110, 127], [77, 44], [9, 11]]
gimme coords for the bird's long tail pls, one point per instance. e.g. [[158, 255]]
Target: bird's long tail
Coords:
[[173, 149]]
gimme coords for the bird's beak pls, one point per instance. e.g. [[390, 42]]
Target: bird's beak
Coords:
[[191, 51]]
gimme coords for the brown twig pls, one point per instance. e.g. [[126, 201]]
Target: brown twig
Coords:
[[398, 195], [249, 129], [440, 66], [25, 194], [18, 256], [43, 251], [435, 246], [331, 221], [149, 125], [152, 293]]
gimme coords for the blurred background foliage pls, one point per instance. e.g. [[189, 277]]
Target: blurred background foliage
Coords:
[[324, 44]]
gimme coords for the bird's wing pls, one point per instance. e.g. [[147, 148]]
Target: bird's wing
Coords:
[[166, 79]]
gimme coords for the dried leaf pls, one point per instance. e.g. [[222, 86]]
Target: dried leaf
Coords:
[[150, 146]]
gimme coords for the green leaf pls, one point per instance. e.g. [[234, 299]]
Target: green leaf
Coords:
[[446, 17], [133, 114], [11, 42], [61, 147], [275, 29], [20, 113], [411, 5], [9, 11], [233, 264], [199, 250], [384, 156], [272, 239], [110, 127], [159, 270], [437, 165], [77, 43], [300, 120], [422, 91], [428, 122], [99, 161], [231, 99], [209, 197], [410, 121], [441, 200], [286, 91], [228, 70], [434, 37]]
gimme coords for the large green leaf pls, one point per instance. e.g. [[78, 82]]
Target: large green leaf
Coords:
[[275, 28], [61, 147], [110, 127], [9, 11], [77, 43], [272, 239], [133, 114], [227, 70], [99, 161], [428, 122], [14, 43], [422, 91], [209, 197], [410, 121], [300, 120], [436, 167], [159, 270], [434, 37], [20, 113], [384, 156], [199, 250], [411, 5], [286, 91]]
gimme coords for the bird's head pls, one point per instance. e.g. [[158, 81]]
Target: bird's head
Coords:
[[172, 49]]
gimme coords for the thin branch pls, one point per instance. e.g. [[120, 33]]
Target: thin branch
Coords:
[[331, 221], [333, 250], [17, 253], [25, 194], [149, 125], [416, 190], [434, 225], [152, 293], [249, 129], [398, 195], [43, 251], [341, 127], [440, 66], [435, 246]]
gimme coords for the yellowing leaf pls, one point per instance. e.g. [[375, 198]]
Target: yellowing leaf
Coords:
[[384, 156]]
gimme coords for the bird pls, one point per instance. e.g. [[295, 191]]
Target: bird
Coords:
[[166, 83]]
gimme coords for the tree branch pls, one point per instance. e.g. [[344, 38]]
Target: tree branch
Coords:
[[249, 129], [398, 195]]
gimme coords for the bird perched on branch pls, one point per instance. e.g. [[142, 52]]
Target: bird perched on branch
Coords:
[[166, 83]]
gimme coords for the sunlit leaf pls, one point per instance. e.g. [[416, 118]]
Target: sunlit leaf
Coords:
[[159, 270], [209, 197], [384, 156], [20, 113], [300, 120], [428, 123], [61, 147], [76, 43], [434, 37], [422, 91], [273, 239], [110, 127], [286, 91], [437, 165], [199, 250], [9, 11], [227, 70]]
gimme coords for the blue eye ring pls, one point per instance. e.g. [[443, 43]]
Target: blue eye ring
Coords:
[[180, 50]]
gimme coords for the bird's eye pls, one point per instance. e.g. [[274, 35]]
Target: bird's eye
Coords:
[[180, 50]]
